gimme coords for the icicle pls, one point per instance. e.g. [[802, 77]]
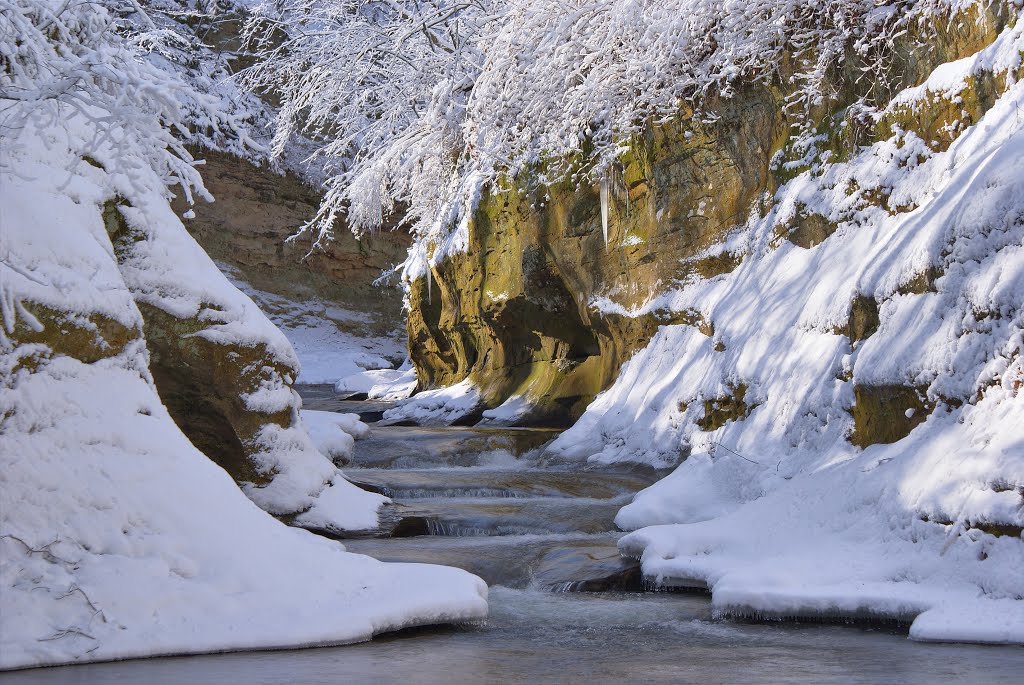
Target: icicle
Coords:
[[604, 210], [430, 282]]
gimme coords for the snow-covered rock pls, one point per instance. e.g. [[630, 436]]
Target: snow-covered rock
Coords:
[[380, 384], [118, 537], [440, 406], [853, 430], [334, 434]]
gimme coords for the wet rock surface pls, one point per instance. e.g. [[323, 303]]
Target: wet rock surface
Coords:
[[415, 447]]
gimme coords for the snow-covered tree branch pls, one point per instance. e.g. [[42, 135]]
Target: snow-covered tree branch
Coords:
[[417, 103], [107, 64]]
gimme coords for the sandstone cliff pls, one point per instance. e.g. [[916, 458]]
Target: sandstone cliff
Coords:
[[248, 226], [543, 302]]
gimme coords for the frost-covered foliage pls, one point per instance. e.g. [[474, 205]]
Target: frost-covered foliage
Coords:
[[65, 59], [88, 123], [420, 104], [197, 40], [381, 84], [786, 505]]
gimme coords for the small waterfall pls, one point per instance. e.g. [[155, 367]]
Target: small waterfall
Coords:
[[435, 527], [570, 586], [456, 530]]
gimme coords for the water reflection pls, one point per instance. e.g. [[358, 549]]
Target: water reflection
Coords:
[[539, 637]]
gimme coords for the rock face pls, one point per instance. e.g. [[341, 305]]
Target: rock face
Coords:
[[248, 226], [517, 312], [203, 381], [221, 369], [539, 304]]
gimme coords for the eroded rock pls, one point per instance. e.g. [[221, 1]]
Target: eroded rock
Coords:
[[886, 413]]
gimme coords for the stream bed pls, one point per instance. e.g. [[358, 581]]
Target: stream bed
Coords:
[[565, 607]]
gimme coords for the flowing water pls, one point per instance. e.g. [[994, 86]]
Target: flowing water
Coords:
[[565, 607]]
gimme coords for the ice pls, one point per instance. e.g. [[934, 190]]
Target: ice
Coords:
[[604, 192]]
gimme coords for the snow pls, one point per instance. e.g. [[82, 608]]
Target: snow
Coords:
[[860, 538], [118, 538], [342, 508], [380, 384], [508, 412], [439, 406], [326, 338], [60, 255], [121, 540], [334, 434], [167, 269], [776, 511]]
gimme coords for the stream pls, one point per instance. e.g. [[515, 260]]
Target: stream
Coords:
[[565, 607]]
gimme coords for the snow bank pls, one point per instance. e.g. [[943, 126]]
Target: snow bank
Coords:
[[775, 509], [868, 537], [334, 434], [380, 384], [118, 538], [439, 407], [165, 268]]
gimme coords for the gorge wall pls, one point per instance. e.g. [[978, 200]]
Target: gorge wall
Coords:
[[248, 226], [544, 305]]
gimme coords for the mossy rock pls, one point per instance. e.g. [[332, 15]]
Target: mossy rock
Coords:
[[202, 382], [808, 229], [683, 317], [940, 118], [719, 411], [923, 282], [85, 338], [716, 265], [864, 319], [884, 414]]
